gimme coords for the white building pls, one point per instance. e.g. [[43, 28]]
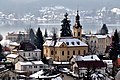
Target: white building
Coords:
[[30, 67]]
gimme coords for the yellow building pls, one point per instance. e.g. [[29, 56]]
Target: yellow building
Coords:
[[64, 48]]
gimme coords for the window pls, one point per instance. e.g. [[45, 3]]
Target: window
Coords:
[[72, 43], [68, 53], [35, 66], [73, 52], [52, 52], [29, 54], [84, 51], [30, 67], [67, 56], [79, 52], [55, 52], [78, 33], [36, 54], [67, 43], [78, 43], [62, 52], [41, 67], [23, 54]]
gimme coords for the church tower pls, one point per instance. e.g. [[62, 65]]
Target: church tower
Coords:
[[77, 28]]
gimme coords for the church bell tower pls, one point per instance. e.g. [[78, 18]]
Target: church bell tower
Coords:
[[77, 28]]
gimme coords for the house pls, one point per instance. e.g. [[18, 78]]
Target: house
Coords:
[[28, 51], [17, 37], [14, 58], [30, 66], [82, 64], [98, 43]]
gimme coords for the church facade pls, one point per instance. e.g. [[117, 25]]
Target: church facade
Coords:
[[68, 44]]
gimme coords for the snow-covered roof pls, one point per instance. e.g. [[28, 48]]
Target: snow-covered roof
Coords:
[[12, 56], [109, 62], [55, 62], [14, 44], [37, 50], [86, 58], [69, 41], [31, 63], [39, 75], [101, 36]]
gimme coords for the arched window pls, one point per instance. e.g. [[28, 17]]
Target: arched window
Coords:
[[73, 52], [79, 52], [52, 52], [62, 52], [68, 53]]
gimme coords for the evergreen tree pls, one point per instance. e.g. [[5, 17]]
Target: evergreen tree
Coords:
[[104, 29], [114, 51], [1, 54], [39, 41], [66, 32], [31, 36], [46, 35], [115, 47]]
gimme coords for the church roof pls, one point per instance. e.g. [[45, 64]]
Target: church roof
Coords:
[[69, 41]]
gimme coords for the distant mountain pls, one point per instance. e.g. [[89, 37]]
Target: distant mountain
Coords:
[[21, 6]]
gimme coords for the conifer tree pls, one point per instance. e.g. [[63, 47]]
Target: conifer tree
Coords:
[[46, 35], [104, 29], [114, 51], [31, 36], [39, 41], [115, 47], [65, 31]]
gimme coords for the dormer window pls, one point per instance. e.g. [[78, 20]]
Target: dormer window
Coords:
[[78, 43], [72, 43], [67, 43]]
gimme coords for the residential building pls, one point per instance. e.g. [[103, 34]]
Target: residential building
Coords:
[[28, 51], [98, 43], [17, 37], [30, 66], [80, 65]]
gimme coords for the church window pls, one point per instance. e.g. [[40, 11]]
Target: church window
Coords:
[[73, 52], [79, 52], [52, 52], [68, 53], [62, 52], [78, 33]]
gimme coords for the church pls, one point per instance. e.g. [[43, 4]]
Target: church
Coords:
[[68, 44]]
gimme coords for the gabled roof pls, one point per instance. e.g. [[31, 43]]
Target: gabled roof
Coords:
[[30, 63], [69, 41], [12, 56], [86, 58]]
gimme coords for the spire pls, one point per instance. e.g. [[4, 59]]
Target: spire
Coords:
[[77, 17], [77, 22]]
